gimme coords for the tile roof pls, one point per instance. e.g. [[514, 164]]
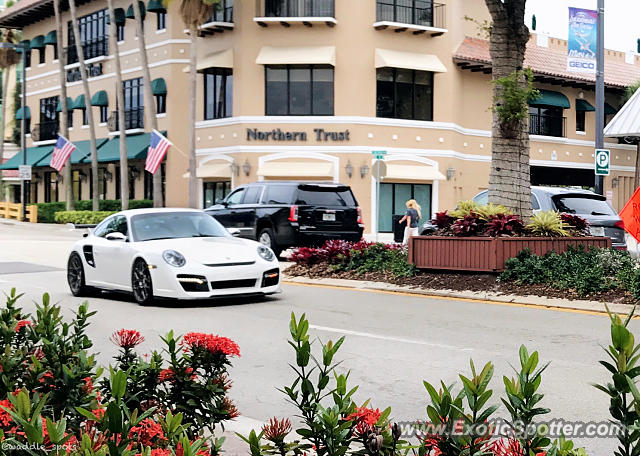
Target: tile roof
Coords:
[[552, 61]]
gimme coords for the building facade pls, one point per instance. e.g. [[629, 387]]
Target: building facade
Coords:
[[310, 90]]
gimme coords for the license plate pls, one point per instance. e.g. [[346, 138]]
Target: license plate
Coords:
[[329, 217], [596, 230]]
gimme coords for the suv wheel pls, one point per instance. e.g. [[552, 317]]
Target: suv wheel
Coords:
[[266, 237]]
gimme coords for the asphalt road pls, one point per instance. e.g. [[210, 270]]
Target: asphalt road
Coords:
[[394, 341]]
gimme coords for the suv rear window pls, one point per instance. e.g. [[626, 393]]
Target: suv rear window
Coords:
[[278, 194], [322, 196], [582, 205]]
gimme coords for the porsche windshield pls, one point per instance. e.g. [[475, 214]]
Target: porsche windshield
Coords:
[[175, 225]]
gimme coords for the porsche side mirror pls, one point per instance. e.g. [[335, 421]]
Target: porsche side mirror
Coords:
[[235, 232], [116, 236]]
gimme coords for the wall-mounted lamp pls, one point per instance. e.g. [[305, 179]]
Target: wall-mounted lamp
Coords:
[[108, 175], [246, 167], [450, 173], [349, 169], [37, 178], [581, 94], [83, 176], [59, 177], [134, 173], [614, 182], [364, 170], [235, 169]]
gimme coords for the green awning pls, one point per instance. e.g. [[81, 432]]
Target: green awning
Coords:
[[120, 16], [51, 38], [100, 99], [78, 103], [130, 14], [69, 105], [26, 42], [37, 42], [159, 87], [608, 109], [34, 156], [156, 6], [137, 146], [27, 112], [82, 153], [584, 105], [551, 98]]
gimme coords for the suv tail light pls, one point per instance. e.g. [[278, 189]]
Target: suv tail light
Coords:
[[619, 224], [293, 214], [359, 221]]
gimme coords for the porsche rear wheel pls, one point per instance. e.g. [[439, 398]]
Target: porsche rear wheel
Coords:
[[75, 276], [141, 283]]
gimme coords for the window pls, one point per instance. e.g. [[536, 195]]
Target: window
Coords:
[[252, 195], [321, 197], [70, 119], [223, 13], [115, 224], [50, 187], [161, 103], [77, 185], [85, 117], [94, 32], [546, 121], [299, 90], [42, 54], [27, 59], [161, 18], [120, 32], [279, 194], [49, 124], [132, 184], [133, 103], [235, 197], [215, 191], [393, 198], [104, 114], [218, 88], [404, 94], [55, 51], [580, 121], [32, 189]]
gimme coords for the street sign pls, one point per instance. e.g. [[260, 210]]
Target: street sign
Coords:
[[379, 169], [24, 172], [603, 162], [379, 154]]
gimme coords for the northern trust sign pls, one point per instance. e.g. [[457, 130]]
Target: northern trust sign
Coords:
[[320, 135]]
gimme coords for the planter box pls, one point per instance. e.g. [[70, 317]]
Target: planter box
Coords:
[[485, 254]]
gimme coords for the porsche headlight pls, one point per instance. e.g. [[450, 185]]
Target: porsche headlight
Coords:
[[174, 258], [266, 253]]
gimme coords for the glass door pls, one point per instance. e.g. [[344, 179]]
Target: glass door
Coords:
[[393, 198]]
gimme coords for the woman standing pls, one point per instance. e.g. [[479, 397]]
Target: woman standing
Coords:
[[411, 219]]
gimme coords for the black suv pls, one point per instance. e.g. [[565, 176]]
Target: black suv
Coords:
[[291, 214]]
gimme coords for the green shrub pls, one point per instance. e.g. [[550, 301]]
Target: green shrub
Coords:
[[47, 211], [464, 208], [547, 223], [380, 257], [82, 217]]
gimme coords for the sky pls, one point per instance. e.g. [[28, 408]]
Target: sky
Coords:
[[621, 20]]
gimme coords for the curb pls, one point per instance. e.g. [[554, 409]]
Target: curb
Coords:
[[593, 307]]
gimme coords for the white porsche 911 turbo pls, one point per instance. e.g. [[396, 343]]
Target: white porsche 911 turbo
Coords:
[[170, 253]]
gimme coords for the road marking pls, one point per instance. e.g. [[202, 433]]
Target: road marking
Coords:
[[349, 332], [453, 298]]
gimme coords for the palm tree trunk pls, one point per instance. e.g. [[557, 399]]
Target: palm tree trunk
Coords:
[[124, 164], [636, 174], [149, 102], [87, 100], [64, 128], [5, 88], [193, 183]]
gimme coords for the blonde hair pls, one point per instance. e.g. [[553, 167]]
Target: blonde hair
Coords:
[[413, 204]]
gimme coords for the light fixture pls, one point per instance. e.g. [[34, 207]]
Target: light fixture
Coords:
[[83, 176], [364, 170], [349, 169], [37, 178], [59, 177], [235, 169], [450, 173], [134, 173], [614, 182], [108, 175], [581, 94], [246, 167]]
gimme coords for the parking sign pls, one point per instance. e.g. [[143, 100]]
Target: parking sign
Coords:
[[603, 162], [24, 172]]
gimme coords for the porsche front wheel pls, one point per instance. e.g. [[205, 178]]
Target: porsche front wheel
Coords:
[[141, 284]]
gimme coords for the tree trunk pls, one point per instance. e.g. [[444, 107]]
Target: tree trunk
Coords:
[[87, 100], [149, 102], [636, 173], [5, 88], [124, 163], [509, 180], [193, 182], [64, 128]]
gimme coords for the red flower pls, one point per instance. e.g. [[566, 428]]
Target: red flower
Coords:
[[166, 375], [5, 418], [47, 378], [229, 407], [364, 418], [88, 385], [22, 323], [146, 432], [276, 430], [223, 381], [99, 412], [508, 447], [127, 338], [211, 343]]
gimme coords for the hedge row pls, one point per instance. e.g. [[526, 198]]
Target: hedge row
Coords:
[[47, 211], [82, 217]]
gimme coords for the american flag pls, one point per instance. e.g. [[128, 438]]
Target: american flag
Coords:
[[61, 153], [158, 148]]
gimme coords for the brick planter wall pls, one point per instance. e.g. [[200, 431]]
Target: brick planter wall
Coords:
[[485, 254]]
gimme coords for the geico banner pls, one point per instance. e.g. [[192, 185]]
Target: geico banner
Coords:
[[583, 33]]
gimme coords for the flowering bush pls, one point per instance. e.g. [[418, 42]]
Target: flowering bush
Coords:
[[504, 225], [469, 225], [577, 225]]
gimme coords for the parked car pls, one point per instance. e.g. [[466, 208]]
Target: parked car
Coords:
[[172, 253], [602, 218], [291, 214]]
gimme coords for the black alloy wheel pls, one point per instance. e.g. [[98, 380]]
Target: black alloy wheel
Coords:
[[141, 283], [75, 275]]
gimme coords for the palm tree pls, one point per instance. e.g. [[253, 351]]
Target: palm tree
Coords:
[[87, 97], [8, 58], [149, 102], [64, 128], [194, 13], [124, 164]]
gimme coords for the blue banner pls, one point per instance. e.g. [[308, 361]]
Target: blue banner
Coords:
[[583, 38]]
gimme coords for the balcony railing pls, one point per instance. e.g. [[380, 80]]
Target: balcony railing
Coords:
[[45, 131], [295, 8], [223, 12], [91, 49], [133, 118], [547, 125], [415, 12]]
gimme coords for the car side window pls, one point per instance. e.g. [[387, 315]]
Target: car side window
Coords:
[[279, 194], [102, 226], [114, 224], [252, 195], [236, 197]]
